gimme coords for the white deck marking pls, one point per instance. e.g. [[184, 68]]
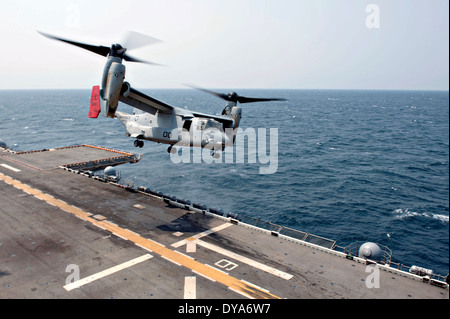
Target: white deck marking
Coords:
[[172, 261], [245, 289], [244, 260], [191, 243], [104, 273], [240, 292], [190, 287], [10, 168], [191, 247], [202, 234], [226, 264]]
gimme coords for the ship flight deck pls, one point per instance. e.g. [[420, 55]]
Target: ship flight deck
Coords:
[[67, 235]]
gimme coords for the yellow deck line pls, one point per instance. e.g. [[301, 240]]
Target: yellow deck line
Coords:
[[245, 288]]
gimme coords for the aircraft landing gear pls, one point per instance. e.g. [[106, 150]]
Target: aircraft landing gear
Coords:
[[138, 143], [215, 154], [172, 150]]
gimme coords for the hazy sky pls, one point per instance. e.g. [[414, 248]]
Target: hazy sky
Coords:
[[305, 44]]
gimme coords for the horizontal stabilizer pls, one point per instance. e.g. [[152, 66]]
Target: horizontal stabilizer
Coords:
[[94, 108]]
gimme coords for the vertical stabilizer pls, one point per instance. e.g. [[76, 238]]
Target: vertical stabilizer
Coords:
[[94, 108]]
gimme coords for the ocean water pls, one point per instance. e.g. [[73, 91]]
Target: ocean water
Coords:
[[352, 165]]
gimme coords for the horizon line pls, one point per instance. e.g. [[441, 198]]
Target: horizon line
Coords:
[[242, 88]]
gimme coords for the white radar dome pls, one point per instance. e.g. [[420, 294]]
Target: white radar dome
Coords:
[[370, 251], [110, 171]]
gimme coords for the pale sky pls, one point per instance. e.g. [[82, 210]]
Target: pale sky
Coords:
[[296, 44]]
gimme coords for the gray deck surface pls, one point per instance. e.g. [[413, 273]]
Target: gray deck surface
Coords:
[[164, 251]]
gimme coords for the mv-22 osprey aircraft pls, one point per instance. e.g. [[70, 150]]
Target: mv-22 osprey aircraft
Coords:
[[159, 122]]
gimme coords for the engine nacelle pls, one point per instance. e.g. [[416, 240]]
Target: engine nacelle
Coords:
[[236, 114], [112, 89]]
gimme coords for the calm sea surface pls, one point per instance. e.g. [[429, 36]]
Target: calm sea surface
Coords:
[[352, 165]]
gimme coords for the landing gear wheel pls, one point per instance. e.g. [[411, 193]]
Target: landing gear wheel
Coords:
[[215, 154], [138, 143], [171, 150]]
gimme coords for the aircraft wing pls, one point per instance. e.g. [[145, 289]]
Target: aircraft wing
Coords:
[[144, 102], [187, 114], [150, 105], [219, 118]]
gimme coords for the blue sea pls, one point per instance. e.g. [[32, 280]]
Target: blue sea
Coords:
[[352, 165]]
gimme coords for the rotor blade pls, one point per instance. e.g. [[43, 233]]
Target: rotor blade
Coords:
[[242, 99], [102, 50], [236, 98], [129, 58], [134, 40], [220, 95]]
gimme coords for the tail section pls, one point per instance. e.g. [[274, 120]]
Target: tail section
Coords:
[[94, 108]]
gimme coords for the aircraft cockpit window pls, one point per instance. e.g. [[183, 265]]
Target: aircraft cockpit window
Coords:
[[212, 124], [201, 125], [187, 125]]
